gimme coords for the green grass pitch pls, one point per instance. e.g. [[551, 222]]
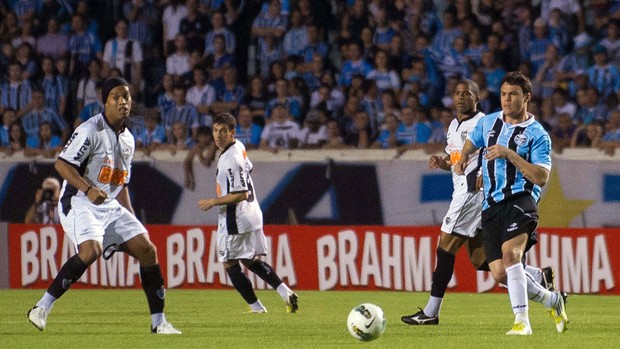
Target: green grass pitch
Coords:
[[218, 319]]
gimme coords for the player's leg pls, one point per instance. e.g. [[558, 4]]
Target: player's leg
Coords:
[[266, 272], [89, 249], [243, 285], [512, 252]]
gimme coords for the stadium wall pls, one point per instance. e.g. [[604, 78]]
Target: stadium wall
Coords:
[[337, 187], [312, 258]]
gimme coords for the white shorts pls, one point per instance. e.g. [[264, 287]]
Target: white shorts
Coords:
[[241, 246], [109, 225], [464, 215]]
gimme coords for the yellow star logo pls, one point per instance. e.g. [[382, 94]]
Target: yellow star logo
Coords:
[[555, 209]]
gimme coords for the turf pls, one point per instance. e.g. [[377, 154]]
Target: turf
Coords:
[[217, 319]]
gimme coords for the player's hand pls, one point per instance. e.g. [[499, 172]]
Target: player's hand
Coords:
[[459, 166], [496, 152], [206, 204], [97, 196], [434, 162], [479, 182]]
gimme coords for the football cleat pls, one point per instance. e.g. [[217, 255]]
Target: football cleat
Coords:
[[262, 310], [165, 328], [420, 318], [520, 329], [291, 302], [548, 277], [38, 317], [558, 312]]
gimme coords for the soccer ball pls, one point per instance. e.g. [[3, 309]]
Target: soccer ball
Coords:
[[366, 322]]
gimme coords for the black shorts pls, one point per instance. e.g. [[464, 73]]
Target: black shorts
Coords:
[[507, 219]]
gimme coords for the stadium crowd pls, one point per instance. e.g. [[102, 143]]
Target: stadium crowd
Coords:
[[304, 74]]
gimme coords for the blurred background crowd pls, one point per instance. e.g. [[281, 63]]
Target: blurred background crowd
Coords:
[[304, 74]]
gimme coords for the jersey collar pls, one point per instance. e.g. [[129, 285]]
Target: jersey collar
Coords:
[[105, 117], [525, 123]]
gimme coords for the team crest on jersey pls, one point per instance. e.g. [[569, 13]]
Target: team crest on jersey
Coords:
[[520, 139], [464, 135]]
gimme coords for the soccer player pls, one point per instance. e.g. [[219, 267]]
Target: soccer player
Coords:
[[515, 165], [240, 236], [461, 224], [95, 209]]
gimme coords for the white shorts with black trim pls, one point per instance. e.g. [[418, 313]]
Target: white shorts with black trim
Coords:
[[112, 224], [464, 215], [241, 246]]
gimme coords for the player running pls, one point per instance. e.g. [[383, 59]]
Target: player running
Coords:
[[240, 236], [95, 209], [461, 224]]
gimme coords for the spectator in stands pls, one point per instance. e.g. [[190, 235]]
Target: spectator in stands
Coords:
[[219, 58], [558, 32], [44, 209], [247, 132], [201, 95], [171, 18], [453, 62], [572, 13], [179, 139], [603, 75], [587, 135], [24, 54], [387, 138], [334, 137], [230, 95], [153, 134], [17, 139], [53, 87], [181, 111], [611, 42], [314, 133], [576, 62], [84, 46], [398, 58], [384, 77], [383, 32], [142, 16], [414, 131], [219, 28], [312, 75], [476, 46], [165, 100], [91, 109], [125, 54], [24, 9], [443, 40], [281, 133], [8, 117], [387, 104], [204, 149], [256, 100], [562, 104], [177, 63], [86, 91], [328, 97], [16, 92], [270, 25], [44, 144], [40, 114], [296, 37], [355, 64], [314, 46], [562, 133], [359, 135], [9, 28], [544, 82], [282, 97], [194, 26], [589, 108], [611, 136], [493, 73], [25, 35]]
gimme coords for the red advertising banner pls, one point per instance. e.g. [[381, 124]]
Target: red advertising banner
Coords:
[[318, 258]]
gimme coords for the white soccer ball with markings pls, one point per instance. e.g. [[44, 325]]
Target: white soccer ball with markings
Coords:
[[366, 322]]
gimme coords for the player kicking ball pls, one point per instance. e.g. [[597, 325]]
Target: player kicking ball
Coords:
[[240, 236], [461, 224], [95, 209]]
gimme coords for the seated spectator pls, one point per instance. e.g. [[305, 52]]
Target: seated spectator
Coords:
[[493, 73], [562, 103], [384, 76], [87, 87], [204, 149], [359, 134], [182, 111], [178, 140], [354, 64], [589, 109], [194, 26], [314, 47], [281, 133], [296, 38], [17, 139], [39, 114], [383, 32], [611, 42], [269, 26], [152, 136], [282, 98], [247, 132], [414, 131], [229, 94], [314, 133], [177, 63], [314, 70], [256, 100], [53, 87], [84, 46], [201, 95], [26, 35], [603, 75], [587, 136], [16, 92], [576, 62], [611, 136], [544, 82], [125, 54], [334, 137], [171, 17], [219, 28], [44, 144], [219, 58], [387, 138], [269, 54], [25, 55], [537, 46], [90, 109], [165, 100], [562, 133], [8, 117]]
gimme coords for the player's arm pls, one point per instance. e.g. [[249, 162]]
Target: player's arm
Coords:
[[532, 172], [439, 162], [228, 199], [124, 200], [468, 149], [70, 173]]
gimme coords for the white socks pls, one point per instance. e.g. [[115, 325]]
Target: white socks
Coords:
[[433, 306], [283, 290], [46, 301], [539, 294], [517, 290], [157, 319], [535, 272]]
